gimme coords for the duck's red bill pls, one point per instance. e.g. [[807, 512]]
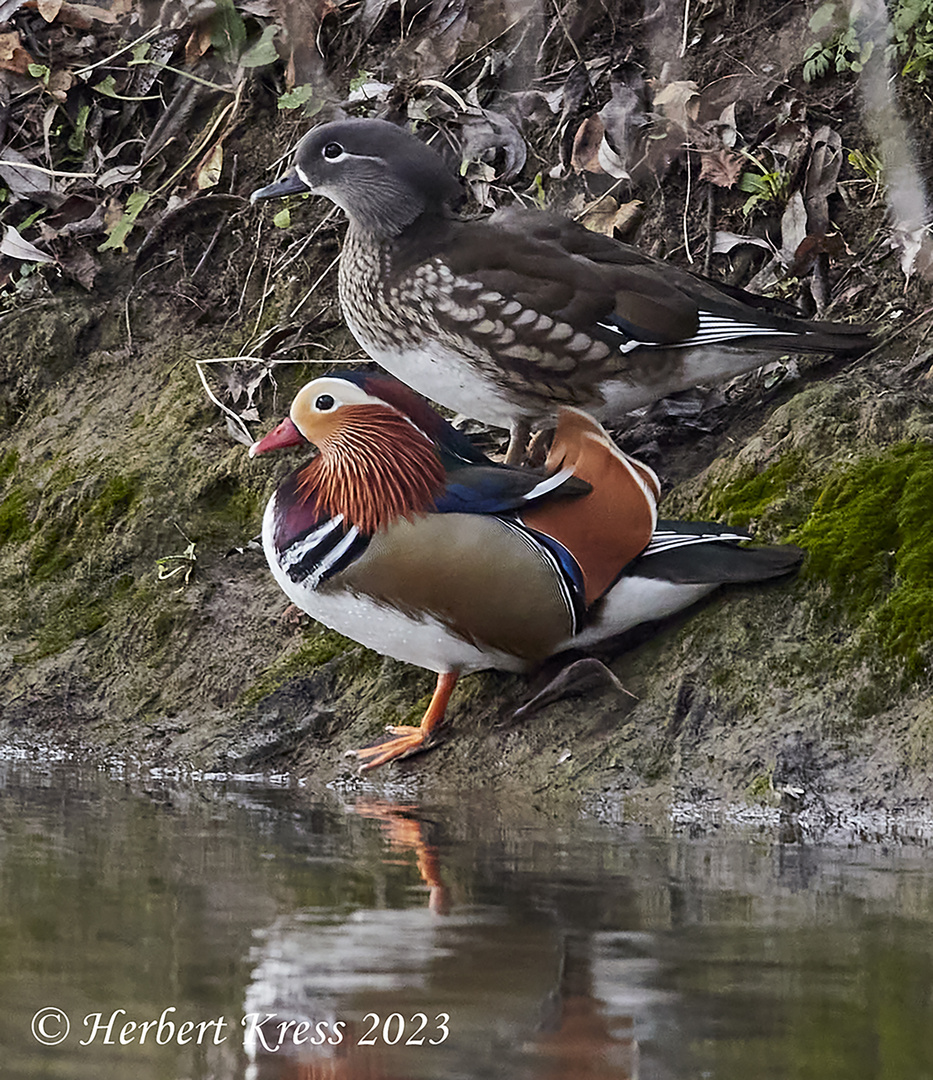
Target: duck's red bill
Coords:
[[286, 434]]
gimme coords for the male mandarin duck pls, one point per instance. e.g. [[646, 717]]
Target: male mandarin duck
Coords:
[[400, 534], [507, 318]]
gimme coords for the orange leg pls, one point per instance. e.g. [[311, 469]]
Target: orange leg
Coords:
[[409, 739]]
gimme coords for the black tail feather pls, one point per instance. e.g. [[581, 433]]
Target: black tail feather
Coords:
[[705, 559]]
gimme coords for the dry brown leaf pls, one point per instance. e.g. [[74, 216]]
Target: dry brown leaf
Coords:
[[585, 154], [628, 219], [16, 247], [721, 167], [210, 168], [60, 82], [664, 146], [679, 101], [611, 219], [23, 183], [77, 216], [13, 57], [575, 88], [598, 219], [48, 9], [301, 22], [625, 115], [786, 135], [726, 121], [437, 45], [113, 214], [611, 162], [198, 43], [724, 242], [810, 249], [822, 175], [570, 97], [82, 16], [492, 139], [80, 265], [369, 16], [793, 227]]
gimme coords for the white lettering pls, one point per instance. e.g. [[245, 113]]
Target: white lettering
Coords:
[[253, 1025], [98, 1027]]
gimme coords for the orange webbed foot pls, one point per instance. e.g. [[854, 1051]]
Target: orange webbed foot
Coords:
[[409, 740]]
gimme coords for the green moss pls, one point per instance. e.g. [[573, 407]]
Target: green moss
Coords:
[[76, 614], [228, 507], [68, 529], [760, 789], [163, 625], [867, 701], [8, 463], [869, 537], [114, 501], [747, 497], [14, 516], [51, 553], [241, 507], [73, 617], [317, 649]]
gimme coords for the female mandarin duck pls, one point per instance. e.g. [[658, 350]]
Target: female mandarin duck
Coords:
[[506, 318], [403, 536]]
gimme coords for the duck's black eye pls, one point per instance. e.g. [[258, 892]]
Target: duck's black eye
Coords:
[[333, 150], [324, 403]]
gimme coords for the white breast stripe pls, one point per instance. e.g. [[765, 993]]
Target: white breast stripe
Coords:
[[332, 556], [303, 548]]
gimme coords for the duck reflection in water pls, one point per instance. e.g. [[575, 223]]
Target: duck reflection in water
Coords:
[[423, 960], [405, 832]]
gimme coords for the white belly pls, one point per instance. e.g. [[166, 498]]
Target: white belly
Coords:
[[634, 600], [442, 375]]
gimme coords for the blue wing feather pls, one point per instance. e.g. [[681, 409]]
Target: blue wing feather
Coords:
[[499, 489]]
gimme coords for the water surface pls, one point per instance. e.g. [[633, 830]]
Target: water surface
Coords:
[[243, 928]]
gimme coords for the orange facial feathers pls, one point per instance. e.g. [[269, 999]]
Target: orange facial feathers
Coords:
[[373, 467]]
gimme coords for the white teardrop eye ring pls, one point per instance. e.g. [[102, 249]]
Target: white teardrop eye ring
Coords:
[[332, 150]]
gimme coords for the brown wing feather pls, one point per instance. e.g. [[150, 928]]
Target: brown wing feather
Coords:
[[610, 526], [544, 271]]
